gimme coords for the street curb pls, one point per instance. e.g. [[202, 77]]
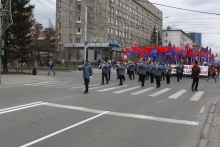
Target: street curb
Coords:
[[206, 130], [210, 118]]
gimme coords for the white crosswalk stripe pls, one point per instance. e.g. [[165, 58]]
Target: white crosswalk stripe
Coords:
[[142, 91], [178, 94], [69, 85], [83, 86], [160, 92], [41, 83], [197, 96], [101, 86], [103, 90], [54, 83], [121, 91]]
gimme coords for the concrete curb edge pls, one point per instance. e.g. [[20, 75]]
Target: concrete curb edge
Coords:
[[205, 132]]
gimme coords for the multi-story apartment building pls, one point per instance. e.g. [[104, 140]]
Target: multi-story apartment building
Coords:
[[124, 22], [176, 37]]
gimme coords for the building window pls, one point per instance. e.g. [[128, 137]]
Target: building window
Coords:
[[71, 8], [117, 2], [78, 19], [77, 40], [78, 31], [116, 22], [116, 32], [165, 41], [70, 18], [116, 12], [112, 31], [60, 2], [59, 47], [59, 25], [59, 36], [71, 30], [166, 34], [78, 8], [108, 19], [112, 20], [109, 30], [59, 14]]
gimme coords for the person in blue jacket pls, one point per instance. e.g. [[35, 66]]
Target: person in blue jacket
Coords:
[[87, 74], [131, 70], [121, 72], [105, 69], [142, 72], [168, 70], [157, 73]]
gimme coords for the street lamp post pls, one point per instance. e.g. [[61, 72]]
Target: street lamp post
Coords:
[[157, 31]]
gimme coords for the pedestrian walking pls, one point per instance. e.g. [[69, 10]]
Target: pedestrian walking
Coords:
[[178, 71], [34, 71], [212, 73], [157, 74], [168, 69], [50, 64], [152, 70], [195, 75], [142, 72], [147, 71], [131, 70], [105, 68], [121, 72], [87, 74], [162, 72], [109, 69]]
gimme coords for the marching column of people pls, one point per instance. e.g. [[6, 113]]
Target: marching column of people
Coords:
[[146, 70]]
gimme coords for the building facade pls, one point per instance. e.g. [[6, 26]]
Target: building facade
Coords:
[[196, 37], [125, 22], [176, 37]]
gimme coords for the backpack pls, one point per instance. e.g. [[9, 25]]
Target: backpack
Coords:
[[51, 64]]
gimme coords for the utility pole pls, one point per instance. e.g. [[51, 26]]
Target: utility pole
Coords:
[[86, 22]]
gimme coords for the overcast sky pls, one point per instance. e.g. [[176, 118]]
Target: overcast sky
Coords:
[[207, 24]]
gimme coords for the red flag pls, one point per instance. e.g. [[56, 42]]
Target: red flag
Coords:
[[216, 55], [189, 53], [127, 51], [142, 54]]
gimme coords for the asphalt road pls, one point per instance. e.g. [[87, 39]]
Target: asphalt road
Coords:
[[57, 113]]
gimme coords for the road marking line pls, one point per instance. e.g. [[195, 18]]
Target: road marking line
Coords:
[[142, 91], [160, 92], [121, 91], [197, 96], [176, 95], [57, 83], [103, 90], [100, 86], [65, 129], [69, 85], [22, 108], [41, 82], [74, 108], [202, 110], [176, 121], [83, 86]]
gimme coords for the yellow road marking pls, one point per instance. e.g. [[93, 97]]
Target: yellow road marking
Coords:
[[202, 109]]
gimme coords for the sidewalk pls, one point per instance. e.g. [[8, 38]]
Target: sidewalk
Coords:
[[20, 79], [214, 133]]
